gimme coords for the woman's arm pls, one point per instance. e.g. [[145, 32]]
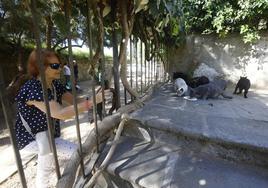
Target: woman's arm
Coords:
[[59, 112], [67, 97], [63, 113]]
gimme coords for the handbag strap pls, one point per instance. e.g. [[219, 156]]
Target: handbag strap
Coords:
[[26, 125]]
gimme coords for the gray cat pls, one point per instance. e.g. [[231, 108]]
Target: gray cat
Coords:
[[211, 90]]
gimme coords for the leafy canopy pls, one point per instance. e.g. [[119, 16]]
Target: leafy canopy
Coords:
[[156, 22], [247, 17]]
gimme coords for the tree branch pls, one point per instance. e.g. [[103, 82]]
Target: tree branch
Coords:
[[98, 13], [108, 157], [75, 45], [59, 41]]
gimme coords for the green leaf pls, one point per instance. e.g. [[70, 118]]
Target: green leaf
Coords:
[[140, 5], [106, 10]]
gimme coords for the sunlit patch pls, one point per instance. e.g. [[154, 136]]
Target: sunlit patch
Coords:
[[189, 98], [202, 182]]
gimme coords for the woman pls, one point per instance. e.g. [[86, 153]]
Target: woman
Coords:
[[31, 125]]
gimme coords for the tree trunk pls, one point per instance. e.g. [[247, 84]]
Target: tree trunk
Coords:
[[49, 32], [95, 60], [115, 57], [110, 154], [127, 25]]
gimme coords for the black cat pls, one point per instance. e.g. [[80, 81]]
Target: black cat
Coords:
[[242, 84], [182, 75], [198, 81], [192, 82]]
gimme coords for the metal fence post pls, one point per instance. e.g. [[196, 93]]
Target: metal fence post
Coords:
[[44, 87], [136, 58], [131, 64], [141, 66], [89, 37], [102, 82], [9, 122], [67, 7]]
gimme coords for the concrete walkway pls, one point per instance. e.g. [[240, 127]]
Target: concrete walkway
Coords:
[[239, 120], [187, 163]]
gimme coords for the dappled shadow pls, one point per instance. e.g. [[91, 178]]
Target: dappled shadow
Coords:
[[150, 164], [139, 160]]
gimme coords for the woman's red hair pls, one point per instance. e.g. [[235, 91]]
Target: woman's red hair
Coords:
[[32, 67]]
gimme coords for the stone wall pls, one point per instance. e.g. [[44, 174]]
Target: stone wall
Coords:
[[229, 56], [83, 67]]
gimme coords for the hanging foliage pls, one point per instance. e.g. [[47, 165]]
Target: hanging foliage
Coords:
[[159, 24]]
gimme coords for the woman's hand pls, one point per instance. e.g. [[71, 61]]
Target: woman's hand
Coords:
[[88, 104], [99, 98], [30, 103]]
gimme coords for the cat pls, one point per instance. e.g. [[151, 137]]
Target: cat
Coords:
[[211, 90], [197, 81], [192, 82], [182, 75], [180, 87], [242, 84]]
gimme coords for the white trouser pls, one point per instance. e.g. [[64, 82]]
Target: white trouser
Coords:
[[45, 161]]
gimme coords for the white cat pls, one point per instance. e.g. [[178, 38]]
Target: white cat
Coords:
[[180, 87]]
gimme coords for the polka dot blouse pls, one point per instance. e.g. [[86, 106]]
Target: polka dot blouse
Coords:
[[36, 119]]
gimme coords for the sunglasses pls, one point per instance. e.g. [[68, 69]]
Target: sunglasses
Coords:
[[55, 66]]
